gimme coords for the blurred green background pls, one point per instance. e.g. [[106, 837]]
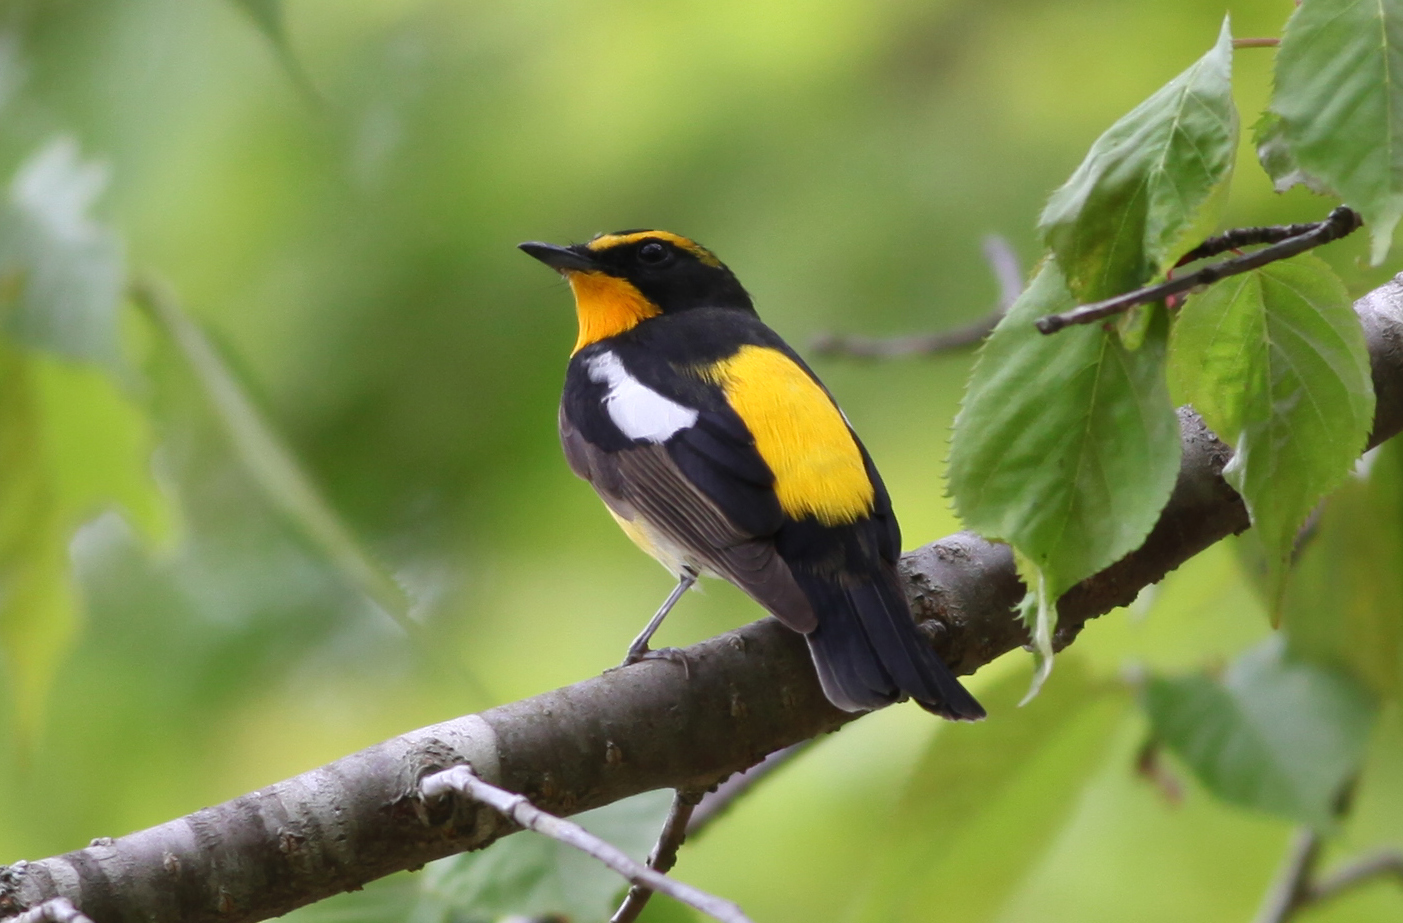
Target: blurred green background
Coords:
[[339, 210]]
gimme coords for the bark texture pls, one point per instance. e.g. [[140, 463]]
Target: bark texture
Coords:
[[750, 692]]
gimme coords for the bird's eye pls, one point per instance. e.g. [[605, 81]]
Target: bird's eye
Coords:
[[653, 253]]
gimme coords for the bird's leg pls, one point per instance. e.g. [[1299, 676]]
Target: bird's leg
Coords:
[[639, 648]]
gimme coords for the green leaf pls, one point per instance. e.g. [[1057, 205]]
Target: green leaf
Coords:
[[1067, 446], [60, 272], [98, 448], [1339, 97], [276, 471], [1134, 325], [1342, 607], [70, 443], [532, 876], [1275, 362], [70, 446], [271, 463], [1131, 206], [984, 803], [268, 16], [1277, 159], [38, 616], [1277, 735]]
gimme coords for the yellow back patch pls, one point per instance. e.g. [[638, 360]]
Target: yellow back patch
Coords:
[[608, 241], [606, 306], [799, 433]]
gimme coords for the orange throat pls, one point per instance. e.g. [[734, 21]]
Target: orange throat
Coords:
[[606, 306]]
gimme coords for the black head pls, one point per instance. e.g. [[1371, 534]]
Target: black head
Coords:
[[670, 271]]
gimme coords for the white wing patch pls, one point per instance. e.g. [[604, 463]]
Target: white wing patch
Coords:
[[636, 409]]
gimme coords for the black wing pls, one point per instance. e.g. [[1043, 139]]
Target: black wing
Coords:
[[705, 490]]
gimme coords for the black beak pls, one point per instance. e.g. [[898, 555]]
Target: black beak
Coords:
[[561, 259]]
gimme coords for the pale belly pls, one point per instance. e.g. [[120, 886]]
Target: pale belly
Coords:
[[658, 546]]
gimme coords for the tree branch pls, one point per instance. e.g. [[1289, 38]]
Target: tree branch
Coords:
[[750, 692], [691, 812], [715, 802], [664, 854], [54, 910], [518, 809], [1340, 223], [920, 344], [1386, 864], [1292, 888], [1299, 885], [1003, 262]]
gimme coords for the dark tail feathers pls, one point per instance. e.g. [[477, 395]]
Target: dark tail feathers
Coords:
[[868, 652]]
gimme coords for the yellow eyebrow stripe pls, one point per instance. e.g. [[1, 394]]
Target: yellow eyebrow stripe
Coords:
[[607, 241], [799, 433]]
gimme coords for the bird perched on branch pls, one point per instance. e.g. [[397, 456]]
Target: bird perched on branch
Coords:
[[720, 453]]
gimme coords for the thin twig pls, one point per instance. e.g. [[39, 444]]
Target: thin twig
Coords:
[[1341, 222], [1297, 886], [1237, 238], [691, 812], [265, 454], [1256, 42], [998, 253], [277, 472], [714, 803], [54, 910], [516, 808], [1292, 888], [922, 344], [664, 854], [1004, 264], [1354, 874]]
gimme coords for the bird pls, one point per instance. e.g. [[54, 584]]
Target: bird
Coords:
[[720, 453]]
